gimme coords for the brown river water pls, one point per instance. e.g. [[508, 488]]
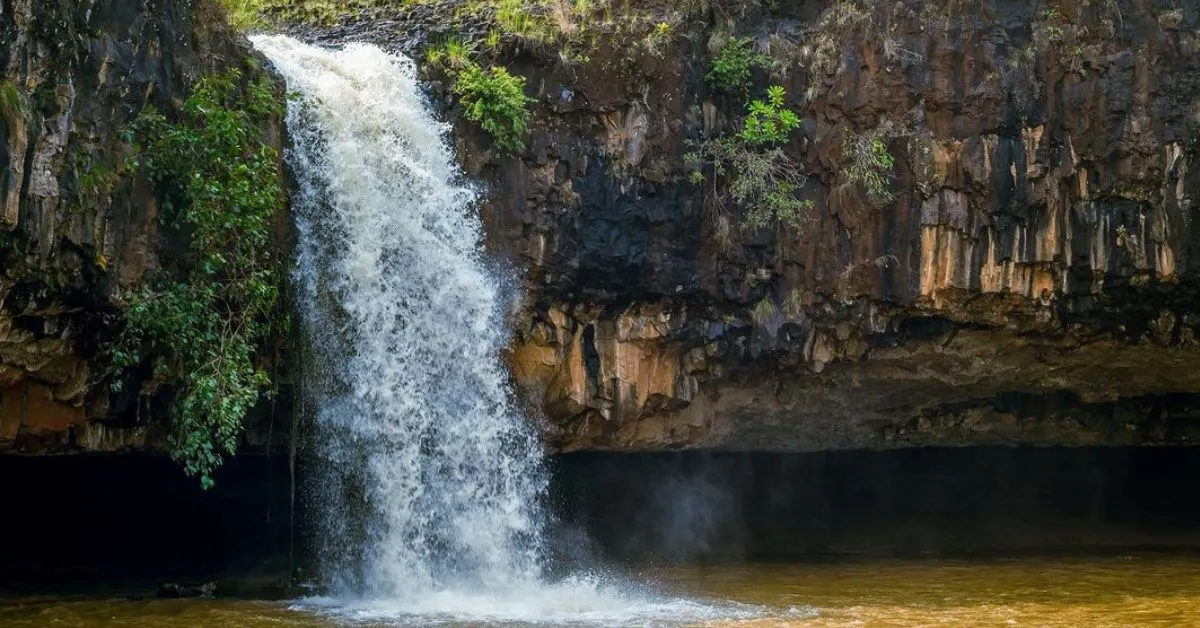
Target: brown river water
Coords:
[[1131, 590]]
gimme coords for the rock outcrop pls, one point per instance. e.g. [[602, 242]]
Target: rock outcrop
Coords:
[[1032, 280], [76, 231]]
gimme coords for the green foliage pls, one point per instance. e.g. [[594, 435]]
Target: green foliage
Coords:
[[656, 40], [764, 312], [458, 53], [454, 54], [496, 101], [732, 68], [573, 28], [245, 14], [750, 170], [492, 40], [491, 97], [871, 164], [763, 183], [770, 121], [250, 14], [203, 322], [12, 100], [528, 20]]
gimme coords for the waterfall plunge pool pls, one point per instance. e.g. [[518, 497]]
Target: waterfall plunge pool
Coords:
[[1017, 536]]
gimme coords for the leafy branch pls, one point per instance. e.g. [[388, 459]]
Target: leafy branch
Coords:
[[750, 171], [202, 324]]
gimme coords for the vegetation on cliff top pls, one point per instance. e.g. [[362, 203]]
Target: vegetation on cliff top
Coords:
[[201, 322], [573, 27]]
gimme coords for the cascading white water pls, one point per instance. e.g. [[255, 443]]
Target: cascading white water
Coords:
[[427, 495], [431, 478]]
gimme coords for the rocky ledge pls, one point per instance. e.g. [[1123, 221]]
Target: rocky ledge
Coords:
[[1030, 275]]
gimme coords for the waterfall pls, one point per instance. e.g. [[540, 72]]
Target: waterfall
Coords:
[[430, 479], [428, 482]]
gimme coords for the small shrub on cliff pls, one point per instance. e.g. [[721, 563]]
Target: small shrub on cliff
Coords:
[[655, 42], [496, 101], [1170, 19], [750, 172], [763, 184], [202, 323], [12, 101], [732, 68], [871, 164], [769, 121]]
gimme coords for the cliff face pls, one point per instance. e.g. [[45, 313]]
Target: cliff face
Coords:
[[76, 230], [1031, 277], [1033, 280]]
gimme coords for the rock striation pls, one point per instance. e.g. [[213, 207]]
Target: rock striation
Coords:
[[1030, 279], [1033, 280]]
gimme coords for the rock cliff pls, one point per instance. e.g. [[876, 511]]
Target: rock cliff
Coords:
[[1032, 279], [77, 231], [1030, 275]]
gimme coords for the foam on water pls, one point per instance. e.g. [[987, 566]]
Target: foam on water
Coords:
[[429, 481], [576, 601]]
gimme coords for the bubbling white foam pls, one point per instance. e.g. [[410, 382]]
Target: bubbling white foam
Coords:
[[576, 601]]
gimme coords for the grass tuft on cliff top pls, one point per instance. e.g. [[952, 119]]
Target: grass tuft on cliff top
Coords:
[[251, 14], [577, 25]]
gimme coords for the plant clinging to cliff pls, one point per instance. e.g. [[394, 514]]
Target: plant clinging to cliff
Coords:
[[764, 312], [1170, 19], [750, 171], [657, 39], [871, 164], [496, 101], [12, 101], [770, 121], [203, 322], [732, 68]]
